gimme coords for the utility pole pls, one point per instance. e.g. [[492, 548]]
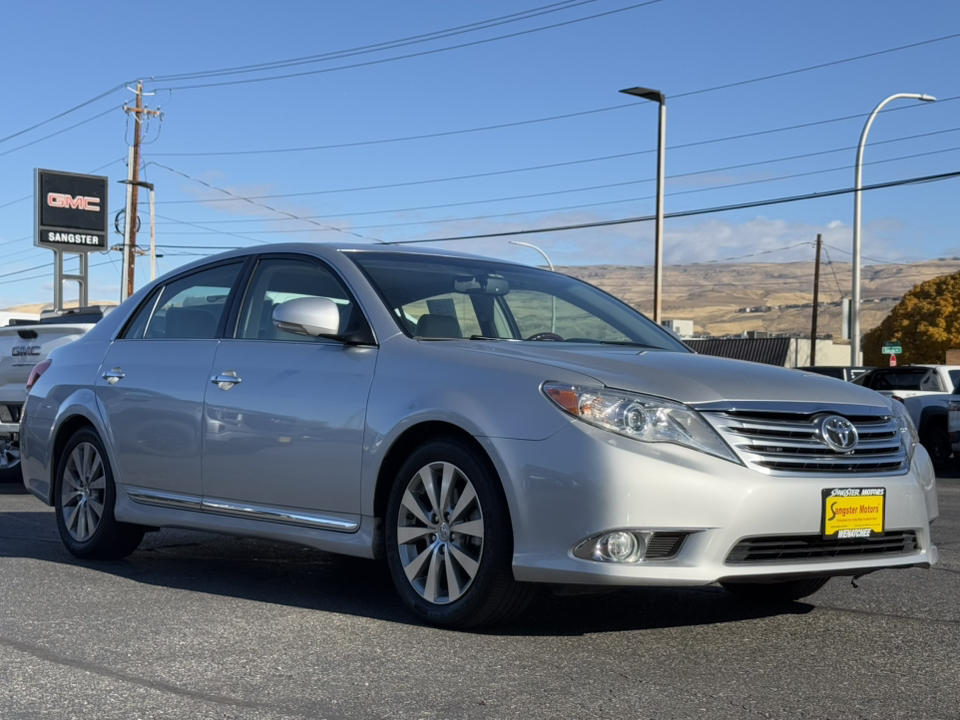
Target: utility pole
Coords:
[[816, 303], [133, 183]]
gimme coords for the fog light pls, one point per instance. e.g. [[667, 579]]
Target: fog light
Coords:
[[619, 547], [615, 546]]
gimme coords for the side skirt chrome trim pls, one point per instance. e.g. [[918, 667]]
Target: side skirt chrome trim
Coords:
[[164, 499], [289, 517], [230, 508]]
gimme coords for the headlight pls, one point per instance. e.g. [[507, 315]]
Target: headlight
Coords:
[[639, 417], [908, 431]]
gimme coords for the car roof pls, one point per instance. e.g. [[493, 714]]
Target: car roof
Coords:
[[327, 249]]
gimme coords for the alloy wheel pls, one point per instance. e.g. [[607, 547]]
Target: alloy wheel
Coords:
[[440, 533], [82, 491]]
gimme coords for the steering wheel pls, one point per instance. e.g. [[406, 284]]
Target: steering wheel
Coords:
[[551, 336]]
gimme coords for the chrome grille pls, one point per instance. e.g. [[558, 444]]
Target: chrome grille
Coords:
[[800, 548], [787, 443]]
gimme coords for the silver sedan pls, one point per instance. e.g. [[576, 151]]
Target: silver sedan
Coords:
[[483, 426]]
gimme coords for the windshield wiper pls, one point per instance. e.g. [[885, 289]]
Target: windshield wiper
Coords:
[[624, 343]]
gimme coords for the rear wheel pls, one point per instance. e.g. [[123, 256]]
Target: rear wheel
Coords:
[[449, 541], [84, 498], [783, 591]]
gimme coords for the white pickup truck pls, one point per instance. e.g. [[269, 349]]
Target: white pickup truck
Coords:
[[927, 391], [22, 347]]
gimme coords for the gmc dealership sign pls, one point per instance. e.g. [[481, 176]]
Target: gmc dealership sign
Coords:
[[71, 211]]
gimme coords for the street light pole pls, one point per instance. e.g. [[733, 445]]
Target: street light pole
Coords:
[[858, 183], [661, 99], [553, 300]]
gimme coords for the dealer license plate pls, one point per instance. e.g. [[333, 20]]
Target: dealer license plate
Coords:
[[853, 512]]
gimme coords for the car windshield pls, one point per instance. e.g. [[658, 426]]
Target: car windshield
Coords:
[[448, 297]]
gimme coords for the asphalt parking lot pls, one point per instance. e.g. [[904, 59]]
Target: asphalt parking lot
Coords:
[[199, 626]]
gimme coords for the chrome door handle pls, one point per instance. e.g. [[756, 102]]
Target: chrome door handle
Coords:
[[225, 380], [112, 376]]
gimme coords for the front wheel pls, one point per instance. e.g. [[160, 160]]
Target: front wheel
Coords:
[[84, 498], [783, 591], [449, 540]]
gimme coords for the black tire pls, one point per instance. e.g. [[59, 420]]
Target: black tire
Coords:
[[460, 578], [9, 463], [937, 444], [776, 592], [11, 473], [84, 496]]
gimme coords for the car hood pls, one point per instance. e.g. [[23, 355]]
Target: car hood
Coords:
[[686, 377]]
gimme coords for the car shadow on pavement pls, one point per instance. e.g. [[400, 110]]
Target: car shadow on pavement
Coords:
[[12, 488], [306, 578]]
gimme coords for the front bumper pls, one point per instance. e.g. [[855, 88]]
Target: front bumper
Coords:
[[584, 481], [10, 417]]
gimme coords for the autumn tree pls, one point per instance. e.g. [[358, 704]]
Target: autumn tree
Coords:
[[926, 323]]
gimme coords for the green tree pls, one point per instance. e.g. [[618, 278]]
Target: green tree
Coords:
[[926, 322]]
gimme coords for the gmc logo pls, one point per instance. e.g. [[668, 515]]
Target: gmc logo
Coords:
[[25, 350], [59, 200]]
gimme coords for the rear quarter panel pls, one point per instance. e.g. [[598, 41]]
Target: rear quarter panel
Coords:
[[64, 392]]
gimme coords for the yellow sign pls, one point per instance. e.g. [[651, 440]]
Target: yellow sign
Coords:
[[853, 512]]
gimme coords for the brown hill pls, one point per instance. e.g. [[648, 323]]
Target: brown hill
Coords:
[[728, 299]]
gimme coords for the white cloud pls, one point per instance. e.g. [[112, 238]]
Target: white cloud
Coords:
[[759, 239]]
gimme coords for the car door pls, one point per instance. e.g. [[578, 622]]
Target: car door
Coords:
[[285, 413], [153, 381]]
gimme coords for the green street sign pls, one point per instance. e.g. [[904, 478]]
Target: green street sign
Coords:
[[891, 350]]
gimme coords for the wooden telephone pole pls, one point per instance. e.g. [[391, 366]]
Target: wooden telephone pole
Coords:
[[816, 303], [133, 182]]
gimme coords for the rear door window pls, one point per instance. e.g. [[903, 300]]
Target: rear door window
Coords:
[[188, 307]]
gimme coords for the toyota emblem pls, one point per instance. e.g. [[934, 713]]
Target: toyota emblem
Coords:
[[837, 433]]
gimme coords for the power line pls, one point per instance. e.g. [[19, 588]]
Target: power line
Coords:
[[65, 112], [690, 213], [818, 66], [848, 252], [44, 275], [683, 213], [833, 270], [763, 252], [390, 44], [416, 54], [572, 190], [527, 169], [272, 209], [22, 270], [575, 190], [428, 136], [58, 132]]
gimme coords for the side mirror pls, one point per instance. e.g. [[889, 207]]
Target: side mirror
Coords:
[[313, 316]]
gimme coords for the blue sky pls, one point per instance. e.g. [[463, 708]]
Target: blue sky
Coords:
[[511, 121]]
